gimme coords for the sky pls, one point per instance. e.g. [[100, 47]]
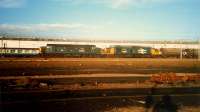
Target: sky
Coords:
[[102, 19]]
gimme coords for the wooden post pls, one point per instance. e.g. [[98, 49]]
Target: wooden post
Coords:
[[181, 53], [199, 51]]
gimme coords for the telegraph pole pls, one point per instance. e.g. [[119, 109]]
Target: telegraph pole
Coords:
[[181, 53], [19, 43], [199, 50]]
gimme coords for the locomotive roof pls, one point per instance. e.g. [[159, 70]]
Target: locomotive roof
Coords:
[[71, 45], [129, 46]]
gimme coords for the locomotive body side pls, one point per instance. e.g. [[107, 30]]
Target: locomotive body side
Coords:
[[141, 52], [123, 51], [70, 50], [129, 51]]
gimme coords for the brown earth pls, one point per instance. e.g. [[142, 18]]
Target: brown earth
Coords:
[[62, 66], [96, 62]]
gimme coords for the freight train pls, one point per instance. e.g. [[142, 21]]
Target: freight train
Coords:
[[119, 51]]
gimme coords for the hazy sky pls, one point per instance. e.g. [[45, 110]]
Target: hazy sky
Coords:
[[103, 19]]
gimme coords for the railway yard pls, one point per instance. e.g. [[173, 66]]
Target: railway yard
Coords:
[[99, 56], [96, 84]]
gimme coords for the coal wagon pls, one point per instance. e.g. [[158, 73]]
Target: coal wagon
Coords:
[[171, 52]]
